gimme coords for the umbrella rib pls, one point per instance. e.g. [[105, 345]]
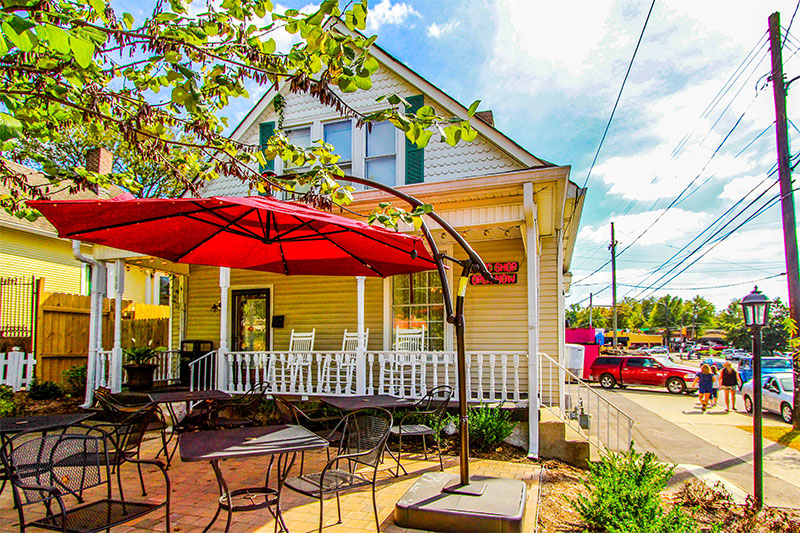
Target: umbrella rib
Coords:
[[144, 220], [389, 245], [345, 251], [203, 241]]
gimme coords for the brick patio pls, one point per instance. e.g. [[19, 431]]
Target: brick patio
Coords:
[[194, 495]]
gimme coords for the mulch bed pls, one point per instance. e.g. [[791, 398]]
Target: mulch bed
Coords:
[[60, 406]]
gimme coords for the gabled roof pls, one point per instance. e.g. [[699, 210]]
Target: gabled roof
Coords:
[[490, 133], [34, 177]]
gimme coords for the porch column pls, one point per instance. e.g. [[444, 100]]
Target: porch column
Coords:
[[361, 355], [531, 239], [222, 358], [115, 372]]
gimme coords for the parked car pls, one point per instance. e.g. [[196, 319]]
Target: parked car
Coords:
[[637, 370], [769, 365], [737, 354], [777, 394], [657, 350]]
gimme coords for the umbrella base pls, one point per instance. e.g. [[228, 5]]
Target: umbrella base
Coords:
[[430, 505]]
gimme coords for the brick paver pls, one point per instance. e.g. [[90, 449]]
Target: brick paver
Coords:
[[194, 495]]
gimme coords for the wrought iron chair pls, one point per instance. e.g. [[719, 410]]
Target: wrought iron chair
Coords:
[[430, 409], [299, 358], [128, 427], [239, 411], [291, 413], [364, 435], [45, 469]]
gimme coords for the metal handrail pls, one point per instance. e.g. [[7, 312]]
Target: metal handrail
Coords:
[[583, 408], [203, 366]]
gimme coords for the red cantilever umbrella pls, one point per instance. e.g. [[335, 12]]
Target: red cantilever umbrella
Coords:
[[256, 233]]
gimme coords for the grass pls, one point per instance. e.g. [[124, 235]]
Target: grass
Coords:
[[786, 436]]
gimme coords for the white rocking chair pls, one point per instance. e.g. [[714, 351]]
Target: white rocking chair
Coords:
[[410, 366], [342, 381], [299, 360]]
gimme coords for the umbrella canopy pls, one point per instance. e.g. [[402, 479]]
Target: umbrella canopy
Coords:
[[256, 233]]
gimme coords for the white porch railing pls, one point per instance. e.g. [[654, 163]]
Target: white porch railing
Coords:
[[493, 376], [16, 369], [583, 408], [168, 367]]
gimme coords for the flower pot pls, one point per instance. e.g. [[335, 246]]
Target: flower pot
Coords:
[[140, 377]]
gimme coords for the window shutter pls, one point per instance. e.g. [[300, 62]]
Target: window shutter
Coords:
[[265, 131], [415, 157]]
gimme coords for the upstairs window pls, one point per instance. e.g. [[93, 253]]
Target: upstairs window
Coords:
[[299, 137], [340, 135], [381, 154]]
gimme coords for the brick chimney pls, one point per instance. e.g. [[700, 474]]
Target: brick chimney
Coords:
[[99, 160], [486, 116]]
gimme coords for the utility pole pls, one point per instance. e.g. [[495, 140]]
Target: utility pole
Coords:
[[666, 305], [787, 197], [590, 310], [613, 248]]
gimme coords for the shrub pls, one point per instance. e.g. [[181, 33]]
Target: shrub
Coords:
[[45, 391], [7, 405], [625, 496], [75, 377], [488, 426]]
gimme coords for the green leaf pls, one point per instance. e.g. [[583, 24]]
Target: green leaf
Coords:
[[128, 19], [268, 46], [363, 82], [346, 84], [82, 49], [426, 111], [58, 38], [25, 39], [10, 127], [468, 133], [473, 108], [452, 135], [371, 64], [100, 7], [3, 46]]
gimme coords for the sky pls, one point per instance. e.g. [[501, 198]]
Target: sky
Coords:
[[688, 155]]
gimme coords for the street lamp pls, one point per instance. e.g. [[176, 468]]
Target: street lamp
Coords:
[[755, 307]]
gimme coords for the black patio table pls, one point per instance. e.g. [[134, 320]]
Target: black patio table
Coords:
[[18, 424], [353, 403], [283, 442], [169, 398]]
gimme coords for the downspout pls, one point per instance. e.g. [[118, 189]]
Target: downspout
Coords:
[[95, 319], [532, 252]]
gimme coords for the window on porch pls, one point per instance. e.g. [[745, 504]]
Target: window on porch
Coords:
[[417, 301]]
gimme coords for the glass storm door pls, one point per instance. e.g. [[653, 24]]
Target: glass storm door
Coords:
[[251, 320]]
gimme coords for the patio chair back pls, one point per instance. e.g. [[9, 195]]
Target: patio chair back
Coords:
[[364, 436], [130, 424], [409, 340], [302, 342], [350, 340], [68, 462], [435, 403]]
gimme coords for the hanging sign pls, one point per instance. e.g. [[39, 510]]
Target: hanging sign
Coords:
[[505, 272]]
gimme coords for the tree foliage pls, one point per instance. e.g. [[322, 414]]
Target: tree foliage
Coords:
[[774, 336], [161, 84]]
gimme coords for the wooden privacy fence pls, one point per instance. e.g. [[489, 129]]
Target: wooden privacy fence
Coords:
[[16, 369], [62, 334]]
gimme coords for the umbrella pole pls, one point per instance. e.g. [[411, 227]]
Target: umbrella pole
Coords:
[[462, 374]]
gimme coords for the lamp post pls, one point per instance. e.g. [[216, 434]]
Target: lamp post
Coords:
[[755, 307]]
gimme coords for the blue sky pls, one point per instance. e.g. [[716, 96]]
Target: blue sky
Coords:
[[550, 72]]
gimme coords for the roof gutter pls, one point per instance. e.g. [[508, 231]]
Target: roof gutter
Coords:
[[95, 319]]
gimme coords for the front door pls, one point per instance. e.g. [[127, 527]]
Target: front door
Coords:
[[250, 320]]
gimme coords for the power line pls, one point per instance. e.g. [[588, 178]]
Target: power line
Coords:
[[790, 23], [619, 95]]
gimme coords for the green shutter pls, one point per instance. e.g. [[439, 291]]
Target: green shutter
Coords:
[[265, 131], [415, 157]]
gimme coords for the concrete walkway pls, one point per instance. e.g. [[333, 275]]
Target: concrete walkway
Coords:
[[709, 445]]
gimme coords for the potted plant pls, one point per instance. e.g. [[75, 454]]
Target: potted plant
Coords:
[[140, 366]]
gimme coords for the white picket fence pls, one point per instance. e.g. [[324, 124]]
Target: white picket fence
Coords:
[[16, 369]]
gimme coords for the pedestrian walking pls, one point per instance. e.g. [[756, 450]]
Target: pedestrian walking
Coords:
[[731, 380], [704, 381], [714, 385]]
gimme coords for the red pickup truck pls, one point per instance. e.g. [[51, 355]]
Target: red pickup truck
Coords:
[[636, 370]]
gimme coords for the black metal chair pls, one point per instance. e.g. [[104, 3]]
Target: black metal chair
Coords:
[[128, 427], [430, 409], [45, 469], [364, 436], [291, 413], [239, 411]]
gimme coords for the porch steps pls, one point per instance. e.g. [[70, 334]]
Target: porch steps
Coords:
[[558, 441]]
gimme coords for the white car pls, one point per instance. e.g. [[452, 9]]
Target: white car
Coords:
[[776, 395], [658, 350]]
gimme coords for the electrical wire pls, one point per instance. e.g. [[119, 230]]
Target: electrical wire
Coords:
[[790, 23]]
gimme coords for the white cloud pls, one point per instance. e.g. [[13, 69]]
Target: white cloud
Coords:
[[388, 13], [674, 226], [439, 30]]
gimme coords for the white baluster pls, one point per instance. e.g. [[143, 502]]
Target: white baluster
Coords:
[[492, 366], [480, 376], [435, 363], [248, 362], [516, 378], [371, 373], [468, 358], [230, 359]]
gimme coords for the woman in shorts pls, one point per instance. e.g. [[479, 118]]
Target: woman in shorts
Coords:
[[705, 383], [731, 380]]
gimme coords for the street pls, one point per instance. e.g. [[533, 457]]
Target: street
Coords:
[[709, 445]]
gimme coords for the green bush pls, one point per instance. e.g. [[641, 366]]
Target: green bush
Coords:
[[7, 405], [488, 426], [45, 391], [75, 378], [625, 497]]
